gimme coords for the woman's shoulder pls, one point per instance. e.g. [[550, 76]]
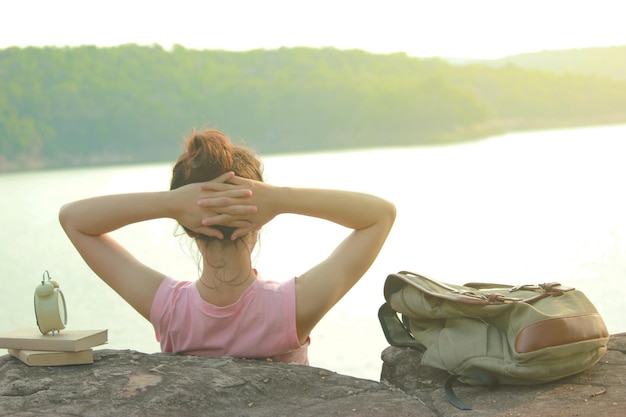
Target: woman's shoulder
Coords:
[[168, 296], [170, 286], [263, 284], [170, 282]]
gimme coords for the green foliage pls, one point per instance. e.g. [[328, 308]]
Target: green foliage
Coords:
[[67, 106], [606, 62]]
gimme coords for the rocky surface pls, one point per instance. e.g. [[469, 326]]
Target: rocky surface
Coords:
[[129, 383]]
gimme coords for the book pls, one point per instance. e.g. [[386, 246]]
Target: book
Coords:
[[52, 358], [30, 338]]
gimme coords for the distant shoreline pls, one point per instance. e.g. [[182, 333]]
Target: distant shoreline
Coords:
[[462, 135]]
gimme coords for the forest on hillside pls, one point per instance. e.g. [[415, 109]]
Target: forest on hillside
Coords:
[[85, 105], [607, 61]]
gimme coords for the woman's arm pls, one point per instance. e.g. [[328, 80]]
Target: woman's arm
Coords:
[[320, 288], [88, 222]]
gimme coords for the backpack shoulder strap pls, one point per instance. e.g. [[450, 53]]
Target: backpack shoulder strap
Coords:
[[395, 331], [452, 397], [484, 378]]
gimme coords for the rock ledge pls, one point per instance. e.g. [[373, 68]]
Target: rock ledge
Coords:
[[128, 383], [131, 384]]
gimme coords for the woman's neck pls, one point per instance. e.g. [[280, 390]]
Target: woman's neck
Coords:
[[224, 293], [227, 272]]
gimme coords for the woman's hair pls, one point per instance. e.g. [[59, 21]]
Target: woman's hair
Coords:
[[209, 154]]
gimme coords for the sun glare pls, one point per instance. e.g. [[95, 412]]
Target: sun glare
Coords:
[[447, 28]]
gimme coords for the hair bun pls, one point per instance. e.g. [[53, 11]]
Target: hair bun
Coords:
[[209, 154]]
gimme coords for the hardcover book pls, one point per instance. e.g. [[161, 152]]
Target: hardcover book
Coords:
[[52, 358], [30, 338]]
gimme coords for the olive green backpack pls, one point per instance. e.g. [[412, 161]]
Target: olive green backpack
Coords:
[[486, 334]]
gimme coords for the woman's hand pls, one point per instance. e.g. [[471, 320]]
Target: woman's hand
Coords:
[[248, 211], [221, 202]]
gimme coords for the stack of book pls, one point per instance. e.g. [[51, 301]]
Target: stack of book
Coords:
[[67, 347]]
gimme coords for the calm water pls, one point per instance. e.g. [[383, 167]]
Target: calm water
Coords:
[[522, 208]]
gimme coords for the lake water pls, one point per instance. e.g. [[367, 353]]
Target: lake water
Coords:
[[519, 208]]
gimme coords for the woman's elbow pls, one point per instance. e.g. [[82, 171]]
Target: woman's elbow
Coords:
[[65, 216], [390, 213]]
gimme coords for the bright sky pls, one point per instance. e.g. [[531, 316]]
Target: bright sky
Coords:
[[445, 28]]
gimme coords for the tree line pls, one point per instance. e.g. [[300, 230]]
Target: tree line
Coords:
[[601, 61], [82, 105]]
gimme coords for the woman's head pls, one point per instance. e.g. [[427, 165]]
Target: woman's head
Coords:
[[207, 155]]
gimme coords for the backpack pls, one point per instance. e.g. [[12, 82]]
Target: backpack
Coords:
[[487, 334]]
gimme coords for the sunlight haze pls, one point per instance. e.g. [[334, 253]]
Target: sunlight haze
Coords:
[[480, 29]]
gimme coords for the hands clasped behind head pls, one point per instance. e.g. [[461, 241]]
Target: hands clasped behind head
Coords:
[[227, 204]]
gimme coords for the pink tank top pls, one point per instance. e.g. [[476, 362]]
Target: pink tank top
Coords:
[[260, 325]]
